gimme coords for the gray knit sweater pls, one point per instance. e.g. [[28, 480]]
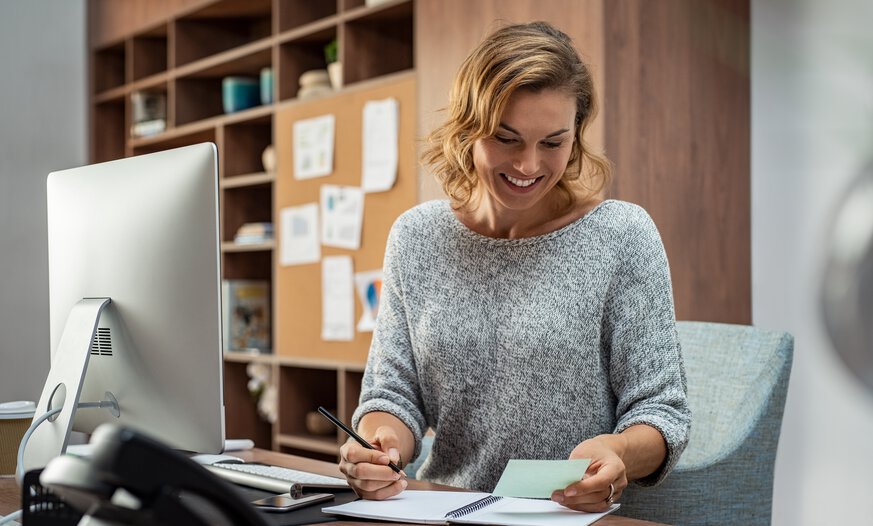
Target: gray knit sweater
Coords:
[[524, 348]]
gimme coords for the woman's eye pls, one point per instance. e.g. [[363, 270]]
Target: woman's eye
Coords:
[[504, 140], [552, 145]]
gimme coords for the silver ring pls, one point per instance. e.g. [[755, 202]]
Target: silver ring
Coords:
[[611, 493]]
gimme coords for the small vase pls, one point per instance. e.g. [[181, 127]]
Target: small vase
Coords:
[[335, 72]]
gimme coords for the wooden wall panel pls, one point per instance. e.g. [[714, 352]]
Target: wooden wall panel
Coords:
[[677, 128], [447, 30]]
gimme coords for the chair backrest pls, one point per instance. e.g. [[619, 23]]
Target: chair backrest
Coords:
[[737, 382]]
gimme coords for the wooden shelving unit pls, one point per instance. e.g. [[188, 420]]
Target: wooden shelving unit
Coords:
[[185, 56]]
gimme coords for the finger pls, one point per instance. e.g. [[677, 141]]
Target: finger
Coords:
[[356, 453], [597, 482], [384, 492]]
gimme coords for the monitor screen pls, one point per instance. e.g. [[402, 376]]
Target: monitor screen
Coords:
[[142, 232]]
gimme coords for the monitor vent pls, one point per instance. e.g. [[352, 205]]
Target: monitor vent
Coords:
[[102, 343]]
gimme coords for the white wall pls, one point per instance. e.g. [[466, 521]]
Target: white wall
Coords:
[[42, 128], [812, 131]]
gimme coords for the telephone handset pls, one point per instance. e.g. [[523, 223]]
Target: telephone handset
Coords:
[[134, 479]]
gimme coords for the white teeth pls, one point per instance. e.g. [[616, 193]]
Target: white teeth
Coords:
[[523, 183]]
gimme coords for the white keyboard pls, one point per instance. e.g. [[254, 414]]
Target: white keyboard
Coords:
[[270, 478]]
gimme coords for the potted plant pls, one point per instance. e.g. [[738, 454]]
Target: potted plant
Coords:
[[334, 66]]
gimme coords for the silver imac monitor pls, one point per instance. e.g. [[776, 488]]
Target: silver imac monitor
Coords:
[[134, 291]]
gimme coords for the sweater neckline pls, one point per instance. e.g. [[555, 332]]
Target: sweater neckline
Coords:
[[464, 230]]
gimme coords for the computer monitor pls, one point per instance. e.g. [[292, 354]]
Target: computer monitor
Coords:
[[134, 291]]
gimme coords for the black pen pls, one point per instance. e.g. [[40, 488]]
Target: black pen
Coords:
[[352, 434]]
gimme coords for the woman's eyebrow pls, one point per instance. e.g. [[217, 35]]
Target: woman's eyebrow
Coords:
[[511, 129]]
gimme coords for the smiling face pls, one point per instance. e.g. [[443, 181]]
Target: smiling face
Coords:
[[519, 166]]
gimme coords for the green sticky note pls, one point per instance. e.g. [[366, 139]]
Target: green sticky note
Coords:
[[537, 479]]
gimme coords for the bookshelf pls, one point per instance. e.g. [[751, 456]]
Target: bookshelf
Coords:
[[182, 50]]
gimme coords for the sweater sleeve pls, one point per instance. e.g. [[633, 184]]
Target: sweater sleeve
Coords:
[[642, 345], [390, 382]]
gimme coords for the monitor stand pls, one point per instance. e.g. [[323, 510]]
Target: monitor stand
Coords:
[[64, 384]]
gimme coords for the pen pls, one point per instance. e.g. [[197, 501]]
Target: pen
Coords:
[[352, 434]]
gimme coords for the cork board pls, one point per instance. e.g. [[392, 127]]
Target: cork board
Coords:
[[298, 287]]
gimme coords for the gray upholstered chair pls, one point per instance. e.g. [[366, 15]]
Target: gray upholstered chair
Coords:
[[737, 381]]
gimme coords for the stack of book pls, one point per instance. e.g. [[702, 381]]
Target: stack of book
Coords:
[[149, 113], [250, 233]]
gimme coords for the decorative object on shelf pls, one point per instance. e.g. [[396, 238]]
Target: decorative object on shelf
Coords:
[[267, 86], [239, 93], [318, 425], [149, 113], [245, 313], [334, 66], [313, 82], [263, 390], [268, 159], [254, 233]]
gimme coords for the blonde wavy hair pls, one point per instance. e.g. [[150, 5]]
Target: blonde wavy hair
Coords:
[[534, 56]]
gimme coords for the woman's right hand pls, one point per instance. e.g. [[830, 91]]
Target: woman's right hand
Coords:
[[367, 469]]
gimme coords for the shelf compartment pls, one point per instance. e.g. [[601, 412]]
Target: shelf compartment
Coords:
[[296, 13], [309, 388], [324, 445], [109, 131], [199, 93], [244, 144], [149, 53], [109, 68], [378, 41], [245, 204], [247, 265], [220, 27], [308, 453], [301, 54], [241, 413]]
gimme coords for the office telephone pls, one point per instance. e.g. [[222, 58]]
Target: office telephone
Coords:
[[134, 479]]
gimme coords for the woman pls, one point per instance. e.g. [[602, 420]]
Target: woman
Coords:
[[526, 317]]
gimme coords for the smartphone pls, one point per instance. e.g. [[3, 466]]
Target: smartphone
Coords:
[[285, 502]]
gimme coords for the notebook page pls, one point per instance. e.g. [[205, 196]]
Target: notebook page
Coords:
[[421, 507], [510, 511]]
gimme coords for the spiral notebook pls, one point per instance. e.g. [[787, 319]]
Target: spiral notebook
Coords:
[[452, 507]]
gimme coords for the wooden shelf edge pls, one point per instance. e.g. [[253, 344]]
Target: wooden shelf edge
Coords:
[[324, 445], [254, 179], [365, 10], [352, 88], [224, 57], [241, 357], [314, 363], [111, 95], [230, 246], [151, 81], [296, 33]]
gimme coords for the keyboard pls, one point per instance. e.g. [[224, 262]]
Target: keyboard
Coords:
[[270, 478]]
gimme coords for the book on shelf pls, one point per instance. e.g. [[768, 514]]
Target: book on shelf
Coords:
[[246, 320], [148, 113], [250, 233]]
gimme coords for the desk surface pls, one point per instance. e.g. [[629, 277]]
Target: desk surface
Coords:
[[10, 495]]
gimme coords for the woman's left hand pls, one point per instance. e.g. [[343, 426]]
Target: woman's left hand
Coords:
[[605, 479]]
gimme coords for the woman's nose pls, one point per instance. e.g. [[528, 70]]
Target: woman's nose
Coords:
[[526, 160]]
